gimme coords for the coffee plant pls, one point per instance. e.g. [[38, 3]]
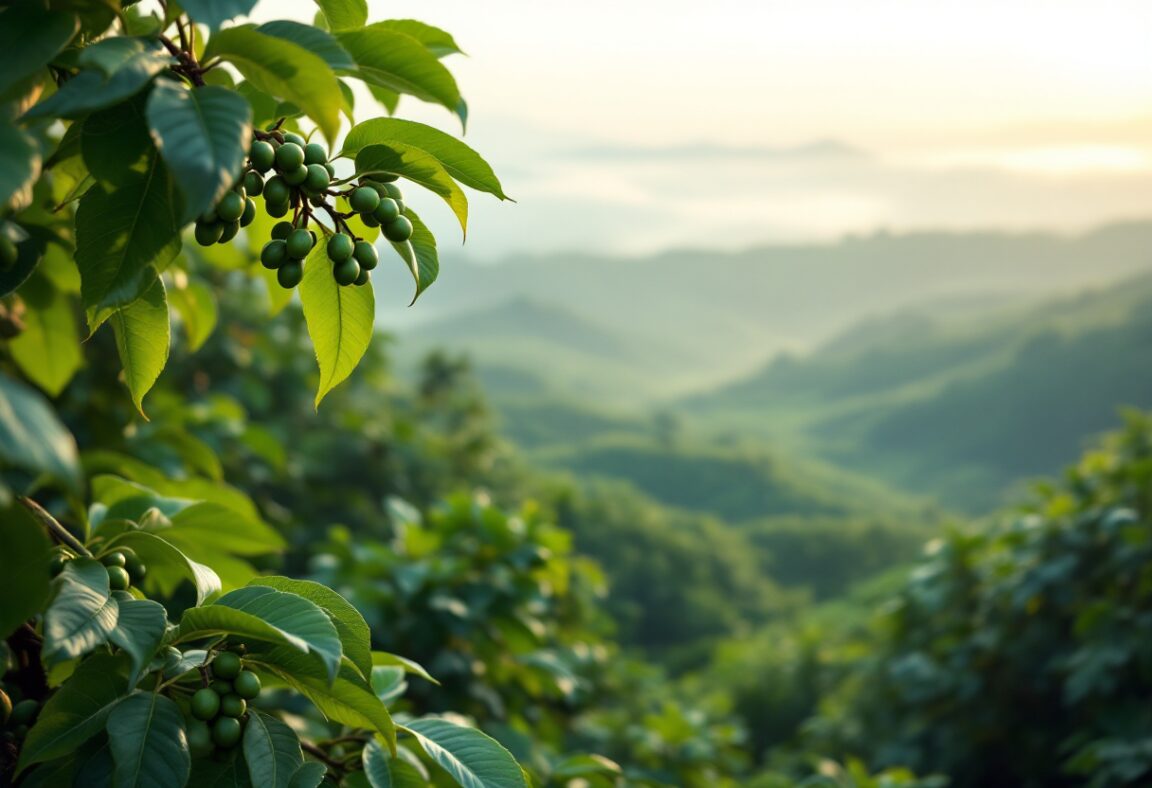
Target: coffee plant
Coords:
[[147, 642]]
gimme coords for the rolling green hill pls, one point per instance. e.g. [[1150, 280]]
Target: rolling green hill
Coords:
[[628, 330], [962, 409]]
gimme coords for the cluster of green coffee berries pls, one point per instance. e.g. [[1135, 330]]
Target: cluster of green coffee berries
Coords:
[[16, 718], [123, 566], [294, 175], [219, 709]]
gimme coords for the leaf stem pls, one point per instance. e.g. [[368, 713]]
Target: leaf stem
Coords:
[[58, 531], [322, 756]]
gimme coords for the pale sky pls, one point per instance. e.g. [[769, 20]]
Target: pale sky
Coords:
[[636, 126]]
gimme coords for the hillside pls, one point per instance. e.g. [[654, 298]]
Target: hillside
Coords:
[[609, 324], [961, 409]]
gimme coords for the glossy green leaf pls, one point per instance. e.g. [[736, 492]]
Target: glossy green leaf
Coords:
[[285, 70], [142, 337], [396, 61], [24, 559], [418, 166], [124, 237], [139, 630], [215, 12], [19, 162], [92, 89], [439, 42], [385, 771], [271, 750], [226, 773], [460, 161], [148, 743], [388, 682], [203, 135], [48, 349], [168, 566], [383, 658], [32, 439], [348, 699], [195, 303], [82, 613], [419, 253], [229, 531], [310, 775], [313, 39], [266, 614], [473, 759], [355, 636], [115, 144], [30, 36], [344, 14], [339, 320], [78, 710]]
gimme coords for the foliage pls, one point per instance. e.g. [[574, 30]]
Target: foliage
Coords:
[[1019, 654]]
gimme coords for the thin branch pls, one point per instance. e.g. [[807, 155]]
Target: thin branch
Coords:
[[322, 756], [62, 534]]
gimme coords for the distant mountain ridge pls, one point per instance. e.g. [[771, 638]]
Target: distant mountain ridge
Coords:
[[703, 317]]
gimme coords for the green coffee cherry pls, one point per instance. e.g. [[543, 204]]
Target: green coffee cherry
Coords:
[[387, 210], [220, 687], [289, 156], [115, 558], [208, 234], [249, 212], [200, 739], [230, 207], [346, 271], [209, 216], [136, 570], [276, 190], [262, 155], [230, 231], [294, 138], [246, 684], [366, 256], [340, 247], [276, 210], [398, 230], [369, 220], [226, 665], [331, 170], [205, 704], [274, 253], [317, 178], [253, 184], [315, 153], [226, 732], [281, 230], [290, 274], [362, 279], [232, 705], [24, 712], [118, 579], [364, 199], [297, 176], [393, 191], [300, 243]]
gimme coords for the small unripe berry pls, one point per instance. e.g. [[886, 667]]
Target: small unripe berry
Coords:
[[290, 274], [276, 190], [253, 184], [249, 212], [346, 271], [118, 579], [246, 684], [365, 254], [293, 137], [289, 156], [386, 211], [274, 253], [297, 176], [230, 208], [262, 155], [208, 234], [364, 199], [200, 739], [340, 247], [362, 279], [315, 153], [300, 243], [226, 731], [232, 705], [226, 665], [205, 704], [114, 559], [230, 230], [317, 179], [398, 230], [276, 210]]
